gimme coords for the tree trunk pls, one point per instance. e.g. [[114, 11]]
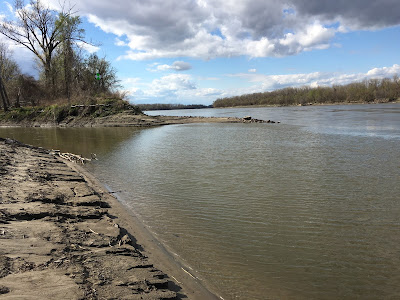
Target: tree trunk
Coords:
[[4, 95], [17, 104], [50, 76], [67, 69], [47, 73]]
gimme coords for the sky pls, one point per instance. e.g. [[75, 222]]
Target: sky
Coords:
[[196, 51]]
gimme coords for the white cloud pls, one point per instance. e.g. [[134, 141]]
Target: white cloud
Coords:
[[24, 57], [313, 36], [252, 70], [177, 66], [172, 88], [223, 28], [167, 88], [87, 47], [384, 72], [118, 26], [260, 48], [272, 82], [120, 43], [173, 82], [183, 88], [164, 67], [208, 92], [10, 7], [130, 81]]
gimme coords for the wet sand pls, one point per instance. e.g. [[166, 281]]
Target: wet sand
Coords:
[[64, 236]]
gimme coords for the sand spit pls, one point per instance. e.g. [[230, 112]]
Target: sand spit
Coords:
[[123, 119], [60, 237]]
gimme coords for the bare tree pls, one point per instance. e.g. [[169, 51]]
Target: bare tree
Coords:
[[39, 29], [9, 70], [8, 66]]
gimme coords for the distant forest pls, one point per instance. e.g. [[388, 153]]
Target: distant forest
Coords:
[[161, 106], [372, 90]]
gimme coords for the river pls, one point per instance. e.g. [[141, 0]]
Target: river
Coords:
[[305, 209]]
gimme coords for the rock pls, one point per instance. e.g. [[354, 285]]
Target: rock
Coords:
[[247, 118], [4, 289], [125, 240]]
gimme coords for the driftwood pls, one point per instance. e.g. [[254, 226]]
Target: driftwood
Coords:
[[248, 119], [90, 105], [93, 231], [73, 157]]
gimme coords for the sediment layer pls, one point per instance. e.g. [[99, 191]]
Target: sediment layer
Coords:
[[58, 239], [123, 119]]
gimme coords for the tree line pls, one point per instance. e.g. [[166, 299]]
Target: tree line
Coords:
[[369, 90], [65, 72]]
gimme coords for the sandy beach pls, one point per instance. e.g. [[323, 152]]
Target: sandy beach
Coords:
[[64, 236]]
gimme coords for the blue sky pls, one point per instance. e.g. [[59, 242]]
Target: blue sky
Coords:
[[195, 51]]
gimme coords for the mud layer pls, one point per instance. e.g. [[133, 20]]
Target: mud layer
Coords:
[[59, 238], [122, 119]]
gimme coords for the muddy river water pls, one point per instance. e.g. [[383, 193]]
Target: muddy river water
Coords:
[[305, 209]]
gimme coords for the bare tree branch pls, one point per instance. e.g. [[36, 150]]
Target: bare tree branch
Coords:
[[40, 29]]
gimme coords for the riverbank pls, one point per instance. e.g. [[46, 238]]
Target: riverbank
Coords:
[[122, 119], [311, 104], [63, 235], [100, 113]]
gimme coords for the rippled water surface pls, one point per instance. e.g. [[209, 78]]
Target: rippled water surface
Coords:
[[305, 209]]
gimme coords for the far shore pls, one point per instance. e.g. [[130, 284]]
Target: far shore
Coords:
[[310, 104]]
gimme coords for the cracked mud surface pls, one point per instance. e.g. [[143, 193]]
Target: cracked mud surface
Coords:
[[58, 239]]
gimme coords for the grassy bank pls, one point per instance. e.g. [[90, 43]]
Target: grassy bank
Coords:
[[99, 113], [65, 113]]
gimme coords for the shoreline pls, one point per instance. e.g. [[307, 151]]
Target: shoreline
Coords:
[[194, 287], [308, 104], [125, 119], [62, 233], [129, 119]]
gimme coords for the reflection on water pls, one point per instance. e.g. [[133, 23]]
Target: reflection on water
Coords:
[[358, 120], [83, 141], [263, 211], [289, 213]]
